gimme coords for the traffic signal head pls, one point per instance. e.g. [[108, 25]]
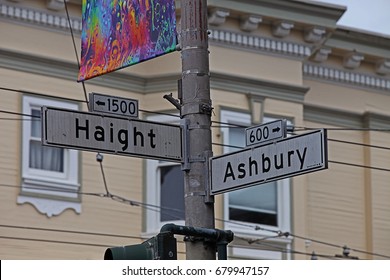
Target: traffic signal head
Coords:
[[160, 247], [131, 252]]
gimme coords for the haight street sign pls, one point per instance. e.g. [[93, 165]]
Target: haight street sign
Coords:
[[107, 134], [286, 158]]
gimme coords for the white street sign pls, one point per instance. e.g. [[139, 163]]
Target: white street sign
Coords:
[[267, 132], [108, 104], [121, 136], [261, 164]]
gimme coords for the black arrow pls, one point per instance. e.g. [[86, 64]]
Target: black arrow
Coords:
[[276, 129], [100, 103]]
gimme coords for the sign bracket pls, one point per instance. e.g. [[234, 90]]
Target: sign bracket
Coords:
[[186, 165]]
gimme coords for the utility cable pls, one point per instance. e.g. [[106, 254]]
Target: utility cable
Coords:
[[75, 50], [284, 250], [99, 158], [359, 165], [297, 128], [358, 144], [76, 100], [277, 233]]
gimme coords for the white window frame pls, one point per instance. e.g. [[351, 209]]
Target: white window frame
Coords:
[[283, 186], [50, 192], [153, 187]]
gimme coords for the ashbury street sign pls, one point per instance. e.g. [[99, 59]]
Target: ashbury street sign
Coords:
[[286, 158], [116, 135]]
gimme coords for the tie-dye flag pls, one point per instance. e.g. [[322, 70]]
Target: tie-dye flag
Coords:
[[120, 33]]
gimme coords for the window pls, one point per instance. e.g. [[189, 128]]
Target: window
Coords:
[[164, 189], [49, 174], [266, 204]]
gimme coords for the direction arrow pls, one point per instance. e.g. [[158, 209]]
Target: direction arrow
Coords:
[[277, 129], [286, 158], [115, 135], [100, 103]]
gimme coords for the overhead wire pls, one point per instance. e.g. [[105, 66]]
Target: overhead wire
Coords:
[[21, 91], [342, 129], [358, 144], [75, 50], [283, 249], [156, 208], [240, 147]]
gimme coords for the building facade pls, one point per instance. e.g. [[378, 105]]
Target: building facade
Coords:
[[268, 60]]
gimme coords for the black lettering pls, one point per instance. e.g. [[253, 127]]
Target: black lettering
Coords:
[[241, 170], [253, 163], [85, 128], [266, 163], [302, 157], [111, 133], [280, 165], [99, 133], [136, 134], [290, 153], [151, 135], [123, 140], [229, 172]]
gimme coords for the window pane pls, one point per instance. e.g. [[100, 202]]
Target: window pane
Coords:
[[46, 158], [35, 123], [259, 198], [236, 138], [257, 204], [172, 193]]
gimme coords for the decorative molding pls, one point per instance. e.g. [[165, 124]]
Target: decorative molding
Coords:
[[259, 43], [314, 34], [39, 17], [55, 5], [376, 121], [383, 67], [282, 28], [47, 66], [346, 77], [341, 118], [250, 22], [322, 54], [258, 87], [352, 60], [49, 207], [306, 12], [218, 16]]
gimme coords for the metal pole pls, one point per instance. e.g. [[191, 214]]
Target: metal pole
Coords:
[[221, 237], [196, 110]]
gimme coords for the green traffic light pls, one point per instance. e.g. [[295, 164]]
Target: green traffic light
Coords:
[[160, 247], [131, 252]]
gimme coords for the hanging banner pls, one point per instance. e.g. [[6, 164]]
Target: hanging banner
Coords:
[[120, 33]]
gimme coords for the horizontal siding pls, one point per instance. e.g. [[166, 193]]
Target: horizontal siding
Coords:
[[380, 191], [336, 202]]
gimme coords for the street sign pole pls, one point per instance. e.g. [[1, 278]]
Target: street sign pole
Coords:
[[196, 111]]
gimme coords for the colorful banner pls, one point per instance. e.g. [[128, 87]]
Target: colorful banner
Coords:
[[120, 33]]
